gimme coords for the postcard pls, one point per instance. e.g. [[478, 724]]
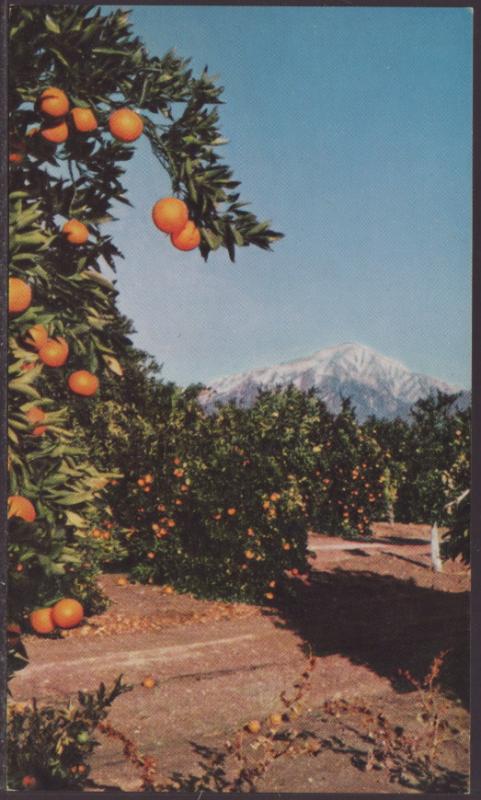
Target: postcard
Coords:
[[239, 390]]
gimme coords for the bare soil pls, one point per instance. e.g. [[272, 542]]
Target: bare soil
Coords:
[[370, 610]]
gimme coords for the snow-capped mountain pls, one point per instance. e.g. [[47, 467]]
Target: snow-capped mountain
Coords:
[[376, 384]]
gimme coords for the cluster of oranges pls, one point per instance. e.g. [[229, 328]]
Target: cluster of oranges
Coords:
[[171, 216], [97, 533], [67, 613], [51, 352], [145, 482], [125, 125]]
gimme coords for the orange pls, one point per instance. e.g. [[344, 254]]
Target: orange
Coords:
[[54, 102], [41, 620], [249, 554], [150, 555], [149, 682], [84, 119], [54, 352], [19, 506], [75, 231], [253, 726], [56, 134], [29, 782], [67, 613], [170, 215], [269, 595], [275, 719], [188, 238], [19, 295], [34, 415], [125, 125], [16, 157], [231, 512], [38, 336], [83, 383], [122, 582], [141, 482], [148, 478]]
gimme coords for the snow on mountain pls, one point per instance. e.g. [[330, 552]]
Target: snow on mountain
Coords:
[[376, 384]]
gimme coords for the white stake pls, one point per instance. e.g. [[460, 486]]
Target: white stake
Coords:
[[435, 553]]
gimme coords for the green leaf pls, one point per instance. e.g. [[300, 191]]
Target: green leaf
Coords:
[[51, 25]]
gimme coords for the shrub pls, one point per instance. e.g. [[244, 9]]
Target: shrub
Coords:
[[48, 745]]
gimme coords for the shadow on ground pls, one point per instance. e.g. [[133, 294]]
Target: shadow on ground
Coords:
[[383, 623]]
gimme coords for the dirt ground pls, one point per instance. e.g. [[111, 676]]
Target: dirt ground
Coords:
[[370, 610]]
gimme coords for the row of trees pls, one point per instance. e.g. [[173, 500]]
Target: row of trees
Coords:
[[203, 490]]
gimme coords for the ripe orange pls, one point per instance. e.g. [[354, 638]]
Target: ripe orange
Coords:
[[84, 119], [141, 482], [29, 782], [269, 595], [286, 546], [19, 295], [19, 506], [67, 613], [75, 231], [122, 582], [125, 125], [37, 336], [148, 478], [16, 157], [149, 682], [188, 238], [54, 352], [34, 415], [54, 102], [249, 554], [150, 555], [232, 512], [83, 383], [253, 726], [170, 215], [41, 620], [56, 134]]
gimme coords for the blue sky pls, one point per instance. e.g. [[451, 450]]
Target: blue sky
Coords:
[[350, 129]]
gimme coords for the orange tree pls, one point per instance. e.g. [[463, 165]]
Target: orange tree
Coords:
[[436, 458], [82, 89]]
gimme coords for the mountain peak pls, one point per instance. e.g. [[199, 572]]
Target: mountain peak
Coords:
[[375, 383]]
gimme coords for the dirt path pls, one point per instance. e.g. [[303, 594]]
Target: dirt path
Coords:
[[371, 608]]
